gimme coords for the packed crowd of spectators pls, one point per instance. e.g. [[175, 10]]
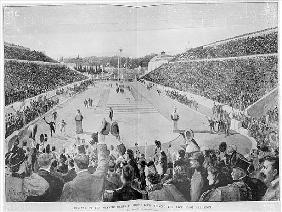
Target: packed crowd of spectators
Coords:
[[26, 80], [90, 172], [242, 46], [265, 128], [236, 82], [182, 99], [29, 113], [40, 106], [21, 53]]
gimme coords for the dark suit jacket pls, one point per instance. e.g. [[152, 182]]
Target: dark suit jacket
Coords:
[[69, 176], [54, 191], [126, 193], [87, 187]]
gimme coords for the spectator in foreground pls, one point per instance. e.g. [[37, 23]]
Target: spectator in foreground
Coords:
[[270, 172], [71, 172], [217, 178], [19, 186], [87, 187], [54, 191], [126, 192], [198, 181]]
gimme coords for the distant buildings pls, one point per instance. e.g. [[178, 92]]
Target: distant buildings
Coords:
[[158, 60]]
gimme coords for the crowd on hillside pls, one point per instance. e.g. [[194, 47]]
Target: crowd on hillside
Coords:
[[26, 80], [95, 172], [20, 53], [250, 45], [236, 82]]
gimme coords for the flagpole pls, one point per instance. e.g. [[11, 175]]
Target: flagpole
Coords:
[[146, 150]]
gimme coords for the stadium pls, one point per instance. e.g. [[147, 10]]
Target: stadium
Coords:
[[199, 127]]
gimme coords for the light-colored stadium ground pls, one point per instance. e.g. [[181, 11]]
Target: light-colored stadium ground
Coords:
[[143, 117]]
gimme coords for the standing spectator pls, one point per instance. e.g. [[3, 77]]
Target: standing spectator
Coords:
[[158, 150], [211, 123], [18, 185], [71, 172], [162, 164], [217, 178], [55, 184], [175, 117], [198, 180], [113, 179], [111, 114], [78, 121], [63, 126], [126, 192], [55, 115], [132, 162], [51, 125], [87, 187], [227, 124], [241, 191], [63, 168], [141, 167]]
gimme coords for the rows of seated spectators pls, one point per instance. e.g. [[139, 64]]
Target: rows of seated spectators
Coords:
[[182, 99], [11, 52], [236, 82], [265, 128], [26, 80], [93, 173], [244, 46], [39, 107], [29, 113]]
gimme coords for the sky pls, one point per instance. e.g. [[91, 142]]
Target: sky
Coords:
[[101, 30]]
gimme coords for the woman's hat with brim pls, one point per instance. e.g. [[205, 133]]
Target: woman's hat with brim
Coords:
[[242, 165]]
